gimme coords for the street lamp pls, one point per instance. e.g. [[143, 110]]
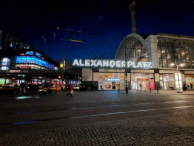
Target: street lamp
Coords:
[[63, 65], [126, 82]]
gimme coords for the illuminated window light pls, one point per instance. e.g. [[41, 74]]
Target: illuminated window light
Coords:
[[172, 64]]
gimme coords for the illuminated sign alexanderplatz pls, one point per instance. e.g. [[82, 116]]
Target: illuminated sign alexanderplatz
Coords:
[[111, 63]]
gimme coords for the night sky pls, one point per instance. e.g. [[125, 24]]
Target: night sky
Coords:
[[98, 25]]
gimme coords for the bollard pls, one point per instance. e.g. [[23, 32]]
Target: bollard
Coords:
[[126, 90], [150, 90]]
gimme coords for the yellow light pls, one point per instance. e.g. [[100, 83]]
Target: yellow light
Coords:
[[61, 65]]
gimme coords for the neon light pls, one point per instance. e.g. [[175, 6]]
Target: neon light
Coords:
[[29, 52], [34, 60], [38, 54], [11, 45]]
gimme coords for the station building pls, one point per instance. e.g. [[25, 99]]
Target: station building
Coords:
[[143, 62]]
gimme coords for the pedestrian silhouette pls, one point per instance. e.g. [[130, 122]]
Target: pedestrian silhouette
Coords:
[[191, 86], [70, 89]]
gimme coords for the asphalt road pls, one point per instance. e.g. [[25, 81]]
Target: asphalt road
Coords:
[[25, 115]]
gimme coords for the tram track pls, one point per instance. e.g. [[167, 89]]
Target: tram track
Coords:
[[76, 113]]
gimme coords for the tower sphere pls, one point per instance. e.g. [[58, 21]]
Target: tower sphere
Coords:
[[132, 5]]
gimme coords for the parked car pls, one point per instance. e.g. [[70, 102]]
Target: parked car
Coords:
[[8, 85]]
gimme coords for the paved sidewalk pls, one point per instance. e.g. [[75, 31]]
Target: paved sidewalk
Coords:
[[169, 92], [170, 129]]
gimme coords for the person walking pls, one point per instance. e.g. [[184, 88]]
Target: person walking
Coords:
[[22, 86], [49, 87], [16, 87], [191, 86], [45, 87], [140, 86], [56, 86], [70, 88]]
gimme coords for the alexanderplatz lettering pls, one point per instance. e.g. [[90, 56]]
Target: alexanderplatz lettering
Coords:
[[111, 63]]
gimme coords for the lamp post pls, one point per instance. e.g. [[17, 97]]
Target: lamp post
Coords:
[[126, 82], [63, 68]]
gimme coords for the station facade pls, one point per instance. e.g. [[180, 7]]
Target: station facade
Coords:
[[161, 61]]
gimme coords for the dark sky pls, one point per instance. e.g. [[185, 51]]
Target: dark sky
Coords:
[[99, 24]]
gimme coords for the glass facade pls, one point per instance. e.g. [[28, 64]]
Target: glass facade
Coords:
[[5, 63], [172, 51], [130, 47], [33, 60], [142, 81]]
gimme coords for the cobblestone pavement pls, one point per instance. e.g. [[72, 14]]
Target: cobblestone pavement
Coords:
[[169, 129], [154, 130]]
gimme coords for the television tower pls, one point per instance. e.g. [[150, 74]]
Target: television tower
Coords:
[[132, 7]]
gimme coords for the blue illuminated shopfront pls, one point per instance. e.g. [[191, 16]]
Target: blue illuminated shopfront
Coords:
[[33, 60]]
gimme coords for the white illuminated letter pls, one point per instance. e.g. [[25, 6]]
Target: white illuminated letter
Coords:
[[75, 62], [87, 62], [149, 65], [80, 63], [105, 63], [122, 64], [129, 64], [112, 64], [139, 65], [99, 63], [144, 64], [93, 62], [118, 63], [134, 66]]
